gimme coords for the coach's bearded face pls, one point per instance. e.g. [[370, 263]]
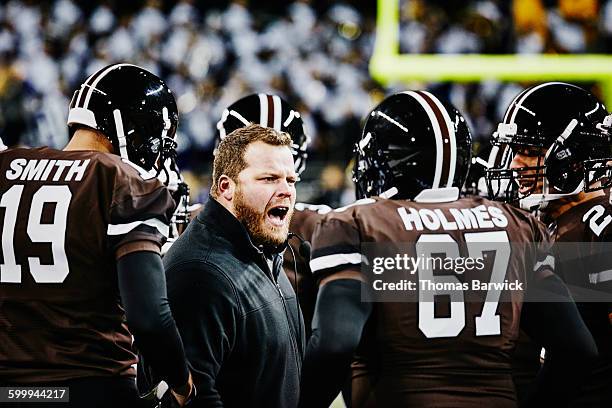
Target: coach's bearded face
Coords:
[[265, 193]]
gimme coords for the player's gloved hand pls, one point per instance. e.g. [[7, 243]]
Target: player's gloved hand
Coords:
[[162, 397], [180, 396], [150, 399]]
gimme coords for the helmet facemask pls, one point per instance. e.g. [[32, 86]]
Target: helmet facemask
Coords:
[[179, 189], [169, 174], [601, 168], [505, 183], [370, 170], [499, 180]]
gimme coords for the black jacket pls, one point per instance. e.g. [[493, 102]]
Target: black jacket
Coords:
[[239, 321]]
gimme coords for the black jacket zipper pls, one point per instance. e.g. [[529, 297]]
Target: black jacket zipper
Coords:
[[287, 317]]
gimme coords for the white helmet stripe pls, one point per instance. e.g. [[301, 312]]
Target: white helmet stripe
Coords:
[[220, 123], [278, 112], [451, 136], [120, 134], [99, 78], [263, 109], [520, 102], [238, 116], [292, 115], [511, 106], [84, 86], [437, 133]]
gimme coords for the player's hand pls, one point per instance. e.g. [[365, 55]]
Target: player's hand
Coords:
[[182, 395], [150, 399], [162, 397]]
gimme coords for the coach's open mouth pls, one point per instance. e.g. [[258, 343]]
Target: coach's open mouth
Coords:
[[277, 215]]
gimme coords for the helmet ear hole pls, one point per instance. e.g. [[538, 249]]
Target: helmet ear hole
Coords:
[[563, 172]]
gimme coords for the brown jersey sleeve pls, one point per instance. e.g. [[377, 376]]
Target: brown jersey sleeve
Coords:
[[544, 264], [141, 208], [531, 237], [303, 222], [335, 245]]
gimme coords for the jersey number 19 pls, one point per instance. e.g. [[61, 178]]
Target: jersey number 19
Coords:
[[54, 233]]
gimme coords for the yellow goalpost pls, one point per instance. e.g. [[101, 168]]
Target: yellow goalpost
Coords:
[[388, 65]]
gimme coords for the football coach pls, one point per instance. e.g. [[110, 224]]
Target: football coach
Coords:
[[234, 306]]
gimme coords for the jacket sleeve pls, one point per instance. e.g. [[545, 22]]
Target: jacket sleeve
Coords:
[[209, 331]]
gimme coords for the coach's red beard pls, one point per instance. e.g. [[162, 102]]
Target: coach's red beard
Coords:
[[262, 230]]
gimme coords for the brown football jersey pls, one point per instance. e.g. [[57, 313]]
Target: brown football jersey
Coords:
[[63, 215], [585, 264], [442, 349], [303, 222]]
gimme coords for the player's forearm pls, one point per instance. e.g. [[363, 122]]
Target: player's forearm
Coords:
[[162, 345], [143, 293], [571, 349], [338, 322], [323, 374], [559, 381]]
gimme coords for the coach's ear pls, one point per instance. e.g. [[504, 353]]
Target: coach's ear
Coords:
[[226, 188]]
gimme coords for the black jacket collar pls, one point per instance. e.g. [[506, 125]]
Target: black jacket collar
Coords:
[[227, 225]]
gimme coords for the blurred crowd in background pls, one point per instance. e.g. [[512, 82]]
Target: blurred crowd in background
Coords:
[[315, 54]]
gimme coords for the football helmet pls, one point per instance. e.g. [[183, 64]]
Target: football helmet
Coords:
[[268, 111], [412, 141], [557, 123], [133, 108]]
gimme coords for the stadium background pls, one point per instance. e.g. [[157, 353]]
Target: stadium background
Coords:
[[315, 54]]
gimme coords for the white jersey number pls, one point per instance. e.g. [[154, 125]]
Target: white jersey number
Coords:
[[488, 323], [53, 233]]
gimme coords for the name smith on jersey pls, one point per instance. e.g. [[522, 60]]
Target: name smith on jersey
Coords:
[[47, 169]]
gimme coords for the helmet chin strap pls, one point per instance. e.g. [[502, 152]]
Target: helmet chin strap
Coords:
[[389, 193], [120, 134], [167, 123], [540, 201], [161, 157]]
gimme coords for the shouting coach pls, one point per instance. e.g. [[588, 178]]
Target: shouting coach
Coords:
[[234, 307]]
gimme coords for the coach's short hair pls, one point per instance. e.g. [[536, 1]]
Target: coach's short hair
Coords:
[[229, 159]]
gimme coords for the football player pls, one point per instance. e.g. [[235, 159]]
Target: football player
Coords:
[[272, 111], [432, 348], [82, 230], [560, 166]]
